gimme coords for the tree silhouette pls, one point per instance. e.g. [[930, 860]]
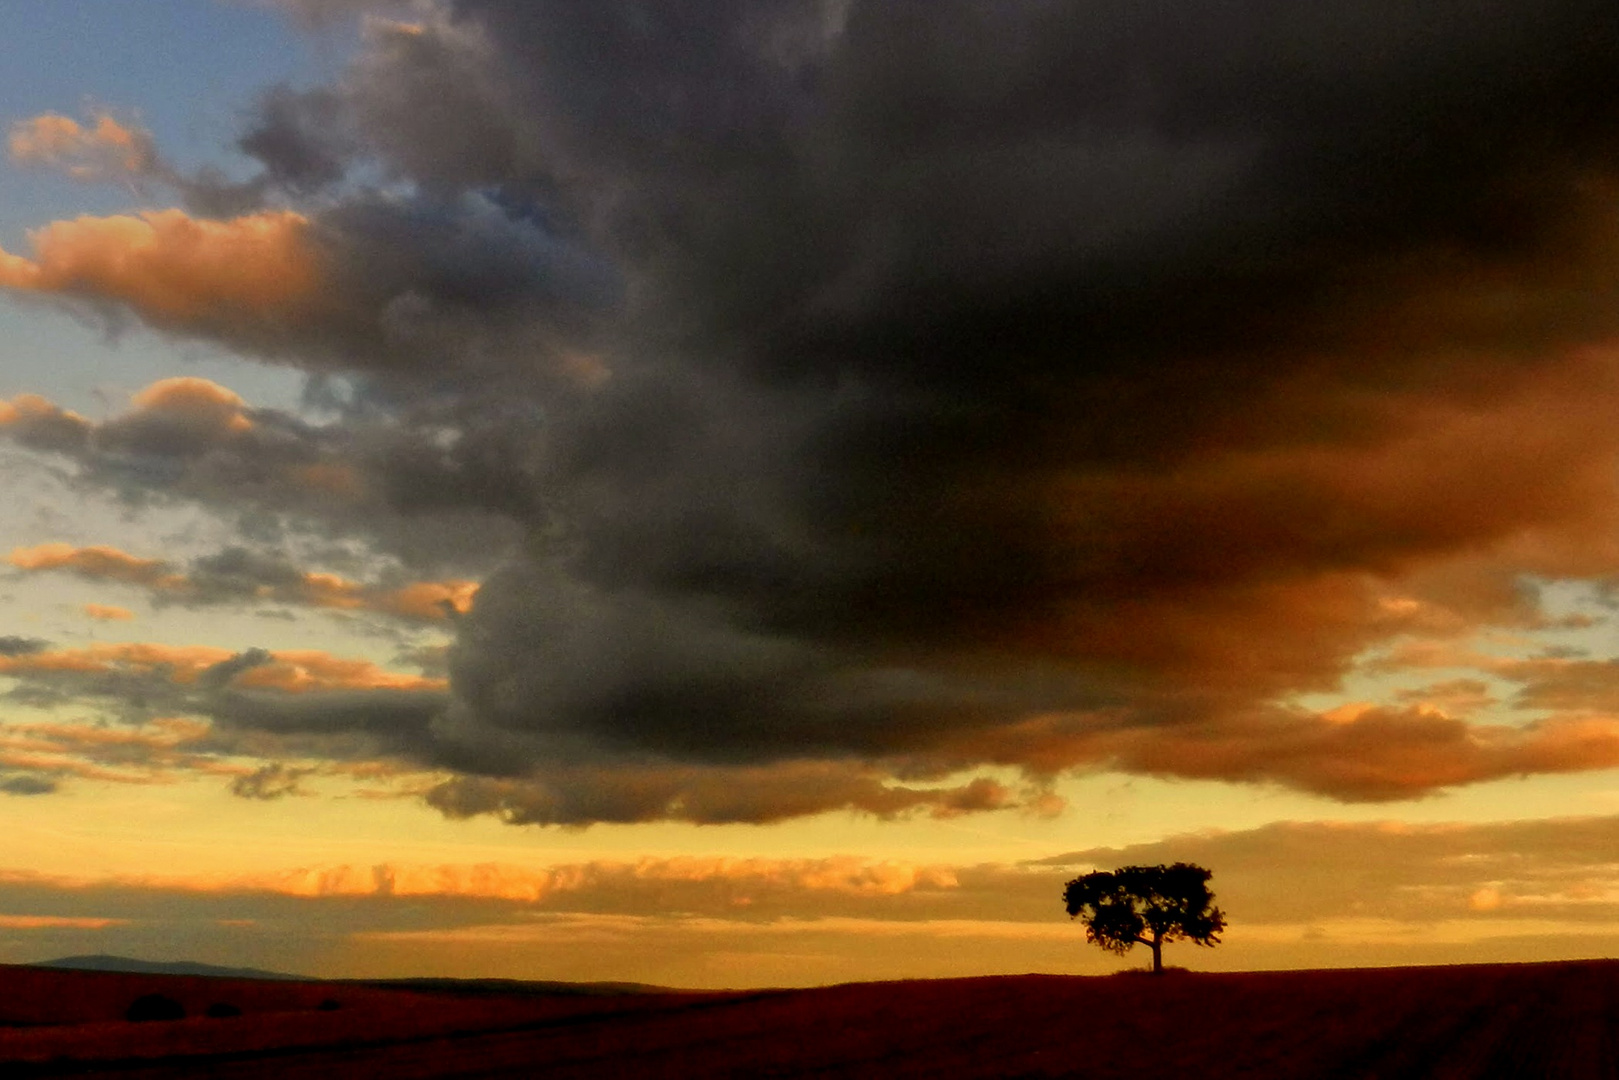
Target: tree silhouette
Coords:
[[1145, 905]]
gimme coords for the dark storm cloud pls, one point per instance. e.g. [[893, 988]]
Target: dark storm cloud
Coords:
[[904, 387], [1099, 351]]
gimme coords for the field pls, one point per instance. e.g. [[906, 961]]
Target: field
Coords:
[[1447, 1023]]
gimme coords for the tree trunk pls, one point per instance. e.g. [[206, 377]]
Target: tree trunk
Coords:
[[1157, 956]]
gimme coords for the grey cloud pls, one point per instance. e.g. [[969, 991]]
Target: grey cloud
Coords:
[[12, 645], [27, 785], [39, 425], [386, 722], [259, 705], [423, 491], [236, 573], [299, 138], [704, 796], [269, 782]]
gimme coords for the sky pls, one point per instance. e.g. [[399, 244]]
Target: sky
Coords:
[[733, 494]]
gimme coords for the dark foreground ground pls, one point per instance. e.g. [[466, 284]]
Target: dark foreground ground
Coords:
[[1500, 1021]]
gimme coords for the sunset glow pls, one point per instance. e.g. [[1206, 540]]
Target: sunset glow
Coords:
[[725, 495]]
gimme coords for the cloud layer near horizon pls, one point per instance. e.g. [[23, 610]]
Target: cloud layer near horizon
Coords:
[[839, 398], [1311, 892]]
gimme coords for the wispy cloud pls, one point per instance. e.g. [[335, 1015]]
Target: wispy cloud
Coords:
[[238, 576], [103, 149]]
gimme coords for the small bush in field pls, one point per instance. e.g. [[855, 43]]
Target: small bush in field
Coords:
[[329, 1004], [220, 1010], [154, 1007]]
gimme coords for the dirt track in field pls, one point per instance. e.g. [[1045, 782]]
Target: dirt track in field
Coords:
[[1497, 1021]]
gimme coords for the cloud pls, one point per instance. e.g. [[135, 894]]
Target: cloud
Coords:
[[1298, 894], [1079, 399], [175, 270], [26, 785], [96, 563], [237, 575], [703, 796], [434, 497], [104, 150], [268, 782], [155, 752], [108, 612], [41, 425], [586, 885], [1357, 753], [56, 922], [292, 671], [171, 710], [388, 286]]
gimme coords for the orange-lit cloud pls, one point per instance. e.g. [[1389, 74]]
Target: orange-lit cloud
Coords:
[[108, 612], [179, 663], [265, 721], [425, 601], [151, 753], [26, 406], [1359, 752], [200, 400], [421, 601], [308, 671], [174, 269], [843, 875], [428, 600], [58, 922], [103, 150], [35, 422], [101, 563], [291, 671]]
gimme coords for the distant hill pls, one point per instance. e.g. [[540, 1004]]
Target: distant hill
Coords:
[[493, 987], [473, 987], [100, 962]]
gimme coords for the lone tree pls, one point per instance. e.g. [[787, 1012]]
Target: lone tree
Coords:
[[1145, 905]]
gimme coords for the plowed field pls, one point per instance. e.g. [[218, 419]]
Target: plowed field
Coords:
[[1502, 1021]]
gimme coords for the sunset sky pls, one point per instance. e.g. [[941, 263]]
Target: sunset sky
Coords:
[[726, 493]]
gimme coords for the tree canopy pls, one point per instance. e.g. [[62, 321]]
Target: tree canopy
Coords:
[[1146, 905]]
